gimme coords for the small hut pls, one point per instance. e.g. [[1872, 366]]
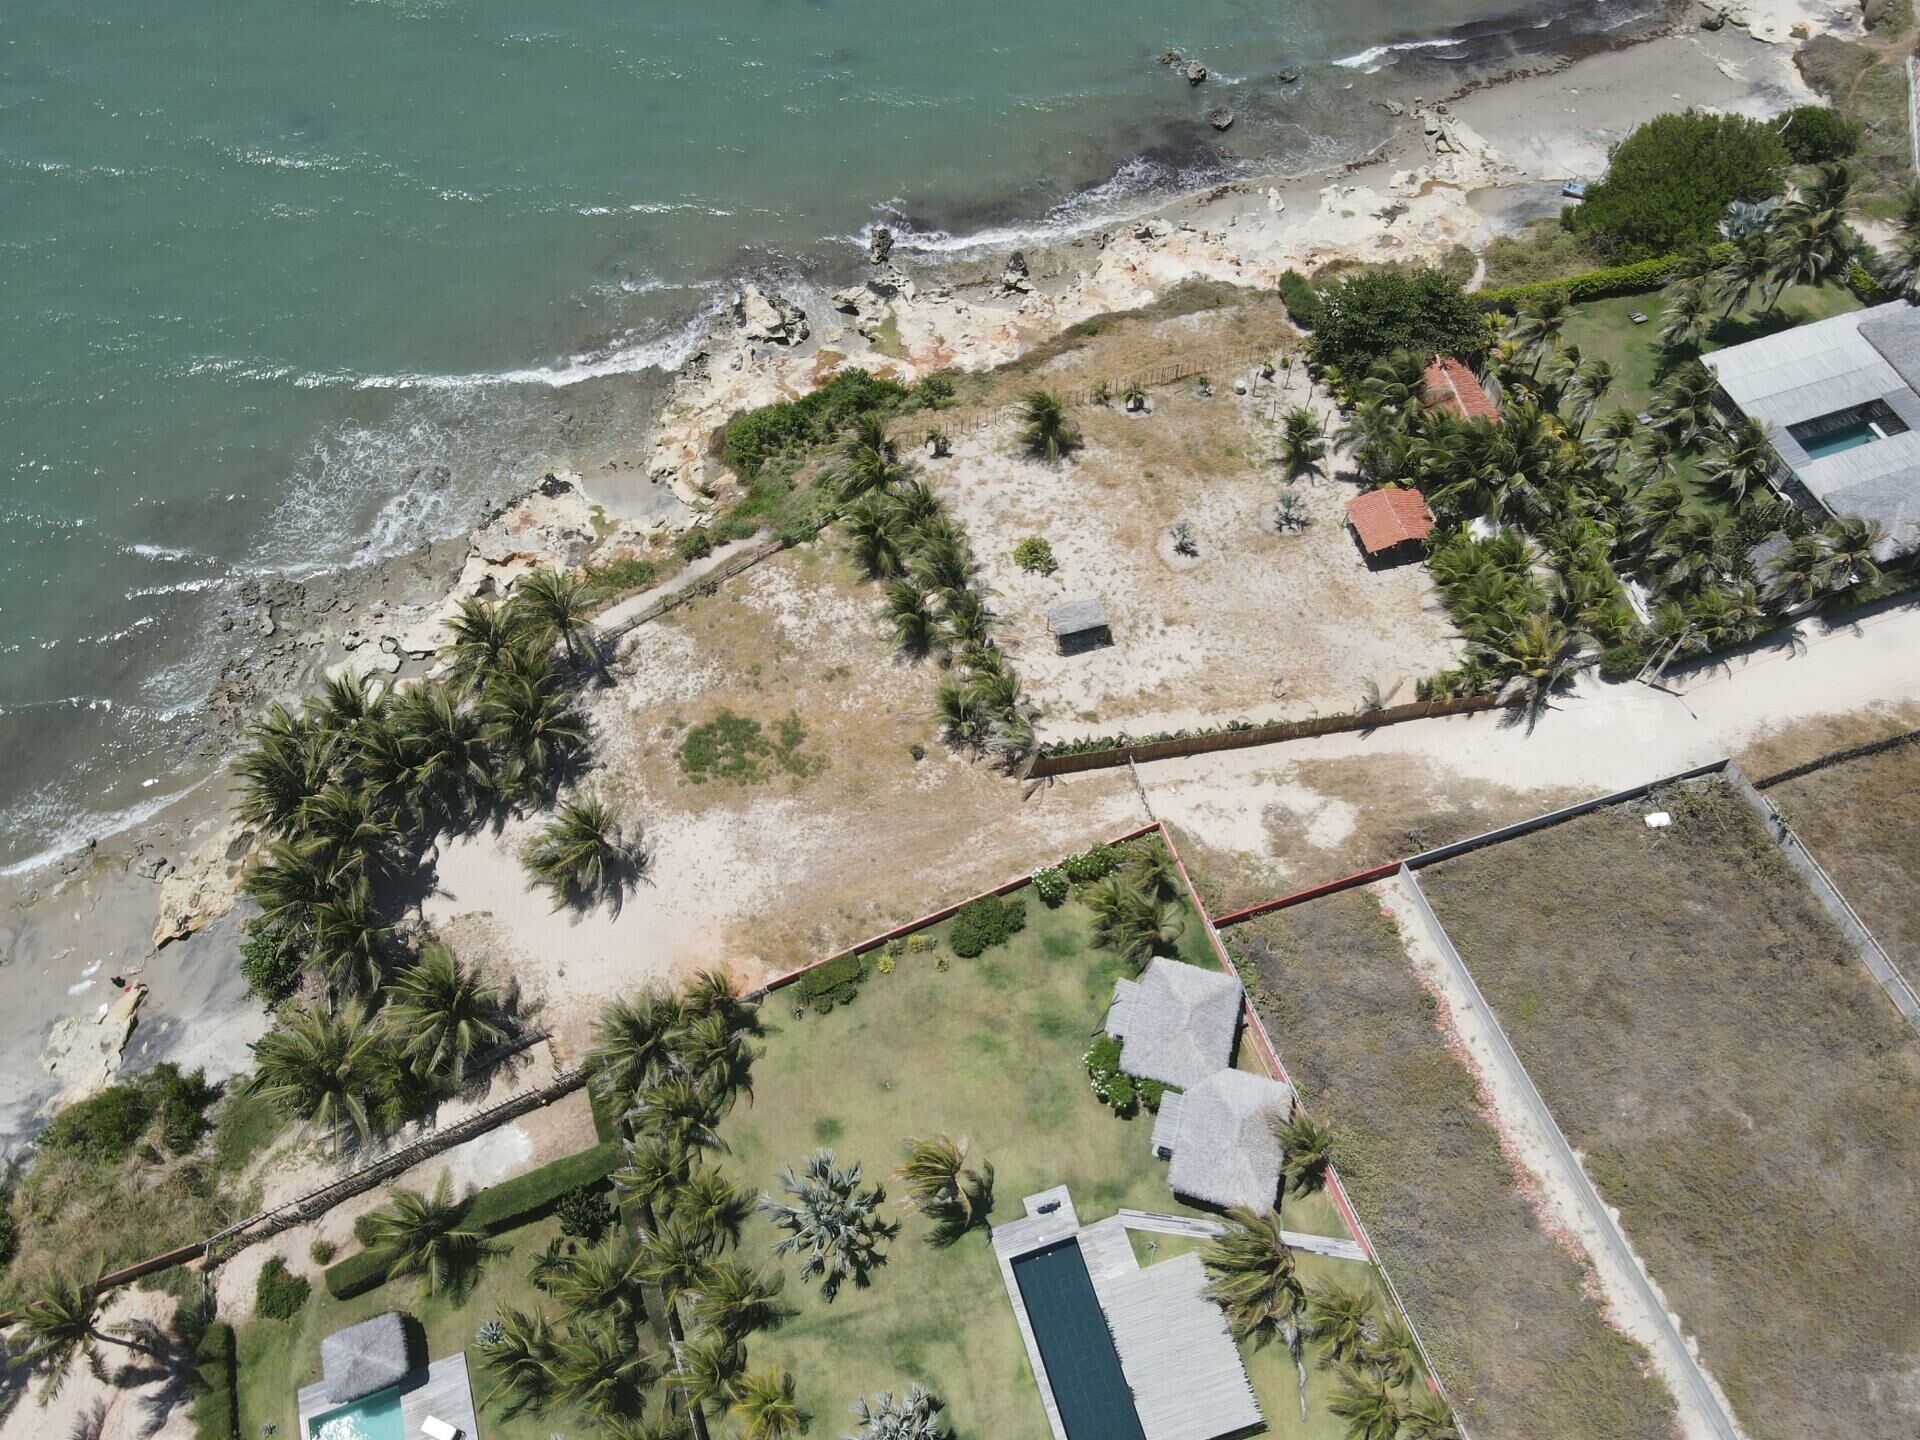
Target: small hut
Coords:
[[1390, 523], [1176, 1023], [365, 1358], [1079, 625], [1220, 1139]]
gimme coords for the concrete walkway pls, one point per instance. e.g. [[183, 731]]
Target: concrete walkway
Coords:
[[1206, 1229]]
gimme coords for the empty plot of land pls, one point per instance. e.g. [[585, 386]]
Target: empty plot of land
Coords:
[[1855, 818], [1738, 1084], [1522, 1348], [1255, 622]]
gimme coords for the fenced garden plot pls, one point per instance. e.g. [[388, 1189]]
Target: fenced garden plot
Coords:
[[1520, 1346], [989, 1048], [1736, 1082], [1855, 818]]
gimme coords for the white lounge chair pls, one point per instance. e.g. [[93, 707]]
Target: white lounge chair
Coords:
[[435, 1429]]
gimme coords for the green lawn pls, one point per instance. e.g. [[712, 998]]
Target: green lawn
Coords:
[[276, 1358], [990, 1048]]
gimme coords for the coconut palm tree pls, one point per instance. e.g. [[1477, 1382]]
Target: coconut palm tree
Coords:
[[1370, 431], [1339, 1319], [735, 1300], [634, 1040], [1798, 575], [718, 1056], [764, 1408], [938, 1180], [1695, 545], [479, 633], [451, 765], [871, 460], [520, 1350], [599, 1369], [887, 1417], [1303, 443], [942, 560], [656, 1168], [1045, 429], [1684, 406], [1653, 459], [535, 727], [442, 1013], [428, 1236], [1739, 459], [873, 534], [1743, 272], [290, 885], [290, 762], [713, 992], [909, 610], [557, 606], [710, 1207], [315, 1065], [349, 831], [680, 1109], [1687, 318], [963, 719], [706, 1367], [674, 1260], [1251, 1277], [1393, 1354], [833, 1222], [1851, 542], [582, 852], [1538, 651], [1308, 1148], [1427, 1416], [1537, 327], [1900, 267], [59, 1322], [1368, 1406], [606, 1281], [1611, 437], [1590, 386], [349, 946], [1803, 253], [965, 621], [1132, 921]]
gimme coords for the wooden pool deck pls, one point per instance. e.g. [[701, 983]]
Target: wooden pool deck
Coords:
[[442, 1390]]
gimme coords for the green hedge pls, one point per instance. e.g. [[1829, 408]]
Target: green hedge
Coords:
[[1594, 285], [835, 983], [497, 1208], [216, 1401]]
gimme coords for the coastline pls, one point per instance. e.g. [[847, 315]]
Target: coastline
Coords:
[[1454, 172]]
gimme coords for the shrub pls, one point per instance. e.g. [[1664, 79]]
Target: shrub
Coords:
[[737, 748], [1300, 297], [9, 1237], [1036, 555], [1668, 183], [1093, 864], [214, 1381], [885, 964], [366, 1229], [935, 391], [1817, 133], [1051, 885], [270, 964], [279, 1294], [750, 440], [585, 1212], [836, 982], [626, 572], [694, 545], [1115, 1089], [322, 1252], [108, 1125], [1369, 316], [984, 923], [1634, 279], [1860, 281], [1622, 662]]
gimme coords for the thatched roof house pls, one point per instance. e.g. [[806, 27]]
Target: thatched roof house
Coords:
[[364, 1358], [1219, 1136], [1178, 1022]]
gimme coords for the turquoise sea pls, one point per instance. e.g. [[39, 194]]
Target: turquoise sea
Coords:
[[269, 264]]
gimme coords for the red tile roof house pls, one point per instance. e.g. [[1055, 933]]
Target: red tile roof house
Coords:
[[1390, 524], [1452, 386]]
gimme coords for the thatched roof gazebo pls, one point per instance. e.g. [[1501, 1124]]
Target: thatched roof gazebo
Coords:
[[1220, 1137], [1177, 1022], [364, 1358]]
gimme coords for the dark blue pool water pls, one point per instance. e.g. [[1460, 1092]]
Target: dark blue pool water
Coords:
[[1082, 1366]]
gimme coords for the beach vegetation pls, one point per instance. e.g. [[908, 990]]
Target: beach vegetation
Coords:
[[695, 544], [1368, 316], [814, 419], [278, 1293], [984, 923], [622, 575], [1301, 298], [740, 750], [166, 1106], [1669, 183], [1815, 134], [1035, 555]]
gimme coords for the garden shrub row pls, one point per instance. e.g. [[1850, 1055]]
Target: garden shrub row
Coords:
[[984, 923], [1088, 743], [1632, 279], [834, 983], [216, 1382], [497, 1208]]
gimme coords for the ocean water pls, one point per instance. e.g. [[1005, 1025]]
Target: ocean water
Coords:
[[292, 285]]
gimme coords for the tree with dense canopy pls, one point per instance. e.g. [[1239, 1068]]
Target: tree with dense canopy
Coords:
[[1669, 182]]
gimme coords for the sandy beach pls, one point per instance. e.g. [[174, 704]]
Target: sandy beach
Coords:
[[756, 881]]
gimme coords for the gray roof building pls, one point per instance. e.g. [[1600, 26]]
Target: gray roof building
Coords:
[[1842, 400], [1220, 1137], [364, 1358], [1177, 1022]]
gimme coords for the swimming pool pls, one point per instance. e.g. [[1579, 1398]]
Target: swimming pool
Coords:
[[375, 1418], [1845, 437], [1083, 1369]]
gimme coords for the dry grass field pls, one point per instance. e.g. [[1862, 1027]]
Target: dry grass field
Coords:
[[1740, 1088], [1854, 817], [1520, 1344]]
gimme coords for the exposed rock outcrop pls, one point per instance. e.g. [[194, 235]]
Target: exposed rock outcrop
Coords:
[[1221, 119], [879, 245], [771, 318], [1196, 73]]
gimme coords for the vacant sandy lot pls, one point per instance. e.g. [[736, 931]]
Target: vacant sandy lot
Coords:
[[760, 876], [1260, 624], [1739, 1086]]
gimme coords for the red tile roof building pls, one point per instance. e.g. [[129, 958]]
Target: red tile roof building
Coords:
[[1387, 519], [1453, 386]]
